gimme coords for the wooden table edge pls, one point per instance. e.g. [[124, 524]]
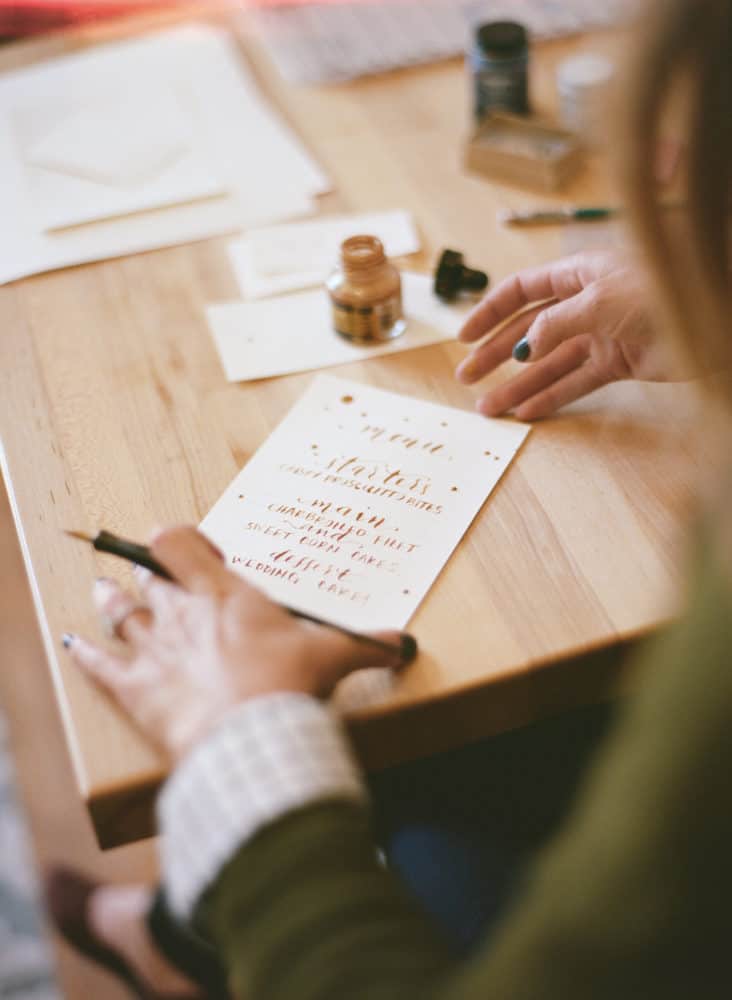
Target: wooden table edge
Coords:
[[50, 642], [125, 811]]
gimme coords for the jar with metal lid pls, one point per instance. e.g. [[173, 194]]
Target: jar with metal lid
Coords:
[[366, 292], [499, 64], [584, 83]]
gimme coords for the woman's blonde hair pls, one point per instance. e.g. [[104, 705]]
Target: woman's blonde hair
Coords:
[[688, 42]]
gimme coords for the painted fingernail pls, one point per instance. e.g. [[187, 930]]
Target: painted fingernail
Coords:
[[66, 639], [408, 647], [522, 350]]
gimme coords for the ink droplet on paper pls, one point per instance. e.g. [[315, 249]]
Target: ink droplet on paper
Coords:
[[346, 399]]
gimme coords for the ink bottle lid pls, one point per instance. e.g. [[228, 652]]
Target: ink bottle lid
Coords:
[[502, 39], [366, 293], [499, 63]]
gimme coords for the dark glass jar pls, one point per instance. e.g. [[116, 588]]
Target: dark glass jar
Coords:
[[499, 65]]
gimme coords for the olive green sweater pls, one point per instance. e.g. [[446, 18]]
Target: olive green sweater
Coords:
[[631, 900]]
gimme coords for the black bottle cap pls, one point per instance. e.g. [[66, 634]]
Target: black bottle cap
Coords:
[[503, 38], [453, 277]]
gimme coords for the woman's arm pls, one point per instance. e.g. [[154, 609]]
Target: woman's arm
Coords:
[[266, 835]]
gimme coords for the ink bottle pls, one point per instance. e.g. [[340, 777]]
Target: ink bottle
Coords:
[[366, 293], [499, 64]]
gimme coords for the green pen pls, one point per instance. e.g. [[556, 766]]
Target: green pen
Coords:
[[568, 213], [554, 216]]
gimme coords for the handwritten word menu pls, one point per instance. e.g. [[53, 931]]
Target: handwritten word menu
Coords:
[[355, 502]]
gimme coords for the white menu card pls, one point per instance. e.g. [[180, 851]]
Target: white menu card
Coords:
[[352, 506]]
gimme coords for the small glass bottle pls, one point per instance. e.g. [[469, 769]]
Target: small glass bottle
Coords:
[[499, 64], [584, 83], [366, 293]]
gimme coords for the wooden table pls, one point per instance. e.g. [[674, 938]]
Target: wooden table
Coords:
[[114, 412]]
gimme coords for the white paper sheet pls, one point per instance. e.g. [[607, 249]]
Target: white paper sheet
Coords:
[[299, 255], [245, 167], [352, 506], [294, 333]]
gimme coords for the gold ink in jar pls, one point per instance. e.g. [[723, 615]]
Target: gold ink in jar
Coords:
[[366, 293]]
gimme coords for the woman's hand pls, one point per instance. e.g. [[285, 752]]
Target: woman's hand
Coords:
[[198, 647], [591, 324]]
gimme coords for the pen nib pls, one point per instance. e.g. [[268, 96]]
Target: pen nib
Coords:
[[78, 534]]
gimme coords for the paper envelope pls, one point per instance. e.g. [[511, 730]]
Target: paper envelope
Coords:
[[111, 155]]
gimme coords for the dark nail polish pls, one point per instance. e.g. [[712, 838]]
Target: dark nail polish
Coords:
[[522, 350], [66, 639], [408, 646]]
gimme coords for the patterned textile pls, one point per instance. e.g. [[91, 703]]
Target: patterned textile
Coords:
[[26, 968], [268, 756]]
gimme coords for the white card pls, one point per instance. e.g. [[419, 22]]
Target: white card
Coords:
[[244, 167], [298, 255], [354, 503], [294, 333]]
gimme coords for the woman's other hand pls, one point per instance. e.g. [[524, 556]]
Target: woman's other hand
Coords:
[[198, 647], [582, 322]]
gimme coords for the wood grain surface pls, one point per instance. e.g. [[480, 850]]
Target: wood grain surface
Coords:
[[114, 413]]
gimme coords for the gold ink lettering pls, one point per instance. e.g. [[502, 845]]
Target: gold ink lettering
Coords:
[[345, 592], [377, 433]]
